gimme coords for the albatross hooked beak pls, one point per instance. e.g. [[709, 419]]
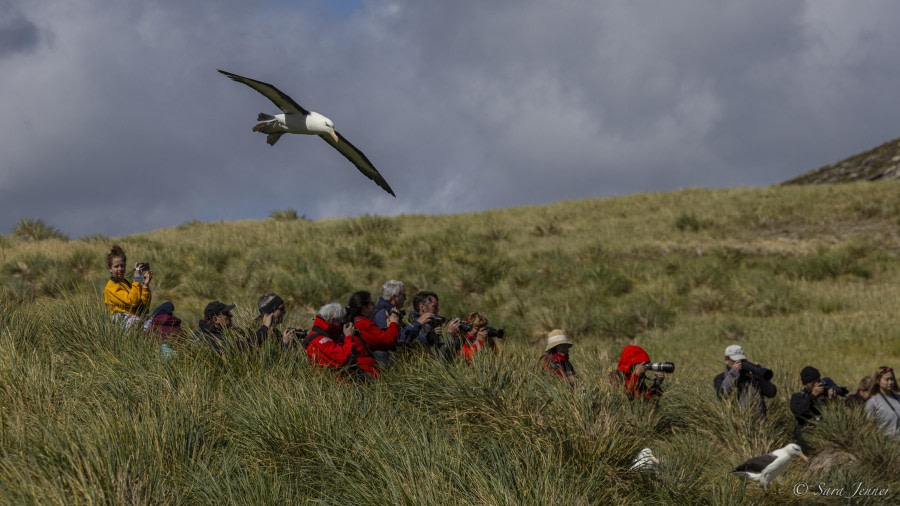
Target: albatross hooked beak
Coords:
[[333, 135], [804, 457]]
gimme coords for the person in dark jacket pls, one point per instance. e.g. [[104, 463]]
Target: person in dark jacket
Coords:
[[216, 319], [272, 309], [805, 403], [392, 300], [555, 360], [335, 345], [858, 400], [629, 374], [747, 388], [426, 306]]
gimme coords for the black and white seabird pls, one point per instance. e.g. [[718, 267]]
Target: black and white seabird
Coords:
[[765, 468], [297, 120]]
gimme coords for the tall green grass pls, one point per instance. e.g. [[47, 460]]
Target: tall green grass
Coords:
[[90, 413]]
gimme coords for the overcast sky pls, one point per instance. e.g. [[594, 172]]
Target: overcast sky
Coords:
[[113, 119]]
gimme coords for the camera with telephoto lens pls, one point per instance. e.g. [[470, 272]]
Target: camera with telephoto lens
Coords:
[[465, 326], [829, 384], [436, 321], [299, 334], [756, 370], [495, 333], [661, 366]]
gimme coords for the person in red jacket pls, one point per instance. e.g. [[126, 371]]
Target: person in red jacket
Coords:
[[361, 310], [332, 344], [555, 360], [476, 338], [630, 374]]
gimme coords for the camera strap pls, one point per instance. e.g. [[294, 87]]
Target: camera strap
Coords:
[[313, 334], [888, 402]]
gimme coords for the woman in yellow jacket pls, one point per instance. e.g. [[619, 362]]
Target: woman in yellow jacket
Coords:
[[126, 300]]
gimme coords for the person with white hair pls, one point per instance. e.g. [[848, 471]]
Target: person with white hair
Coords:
[[332, 344], [555, 360], [391, 302]]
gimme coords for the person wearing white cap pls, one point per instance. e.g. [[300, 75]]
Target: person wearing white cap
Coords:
[[749, 389], [555, 360]]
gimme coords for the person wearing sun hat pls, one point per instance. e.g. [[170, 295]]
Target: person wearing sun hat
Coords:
[[749, 389], [555, 360]]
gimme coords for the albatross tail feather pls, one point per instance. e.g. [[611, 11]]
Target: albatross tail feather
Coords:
[[272, 138]]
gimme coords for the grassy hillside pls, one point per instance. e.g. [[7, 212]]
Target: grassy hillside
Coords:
[[796, 274]]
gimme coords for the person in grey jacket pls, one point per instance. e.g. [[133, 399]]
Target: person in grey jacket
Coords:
[[884, 403], [747, 388]]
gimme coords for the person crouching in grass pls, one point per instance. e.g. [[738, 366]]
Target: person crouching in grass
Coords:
[[476, 339], [333, 344], [629, 375], [555, 360], [126, 300]]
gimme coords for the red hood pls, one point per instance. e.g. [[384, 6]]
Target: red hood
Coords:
[[632, 355]]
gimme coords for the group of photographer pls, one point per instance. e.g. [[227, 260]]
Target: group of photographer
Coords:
[[751, 384], [362, 338]]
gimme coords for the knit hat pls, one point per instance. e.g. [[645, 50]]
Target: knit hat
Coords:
[[555, 338], [809, 374], [735, 352], [269, 304]]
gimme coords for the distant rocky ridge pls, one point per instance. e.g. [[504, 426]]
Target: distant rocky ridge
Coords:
[[876, 164]]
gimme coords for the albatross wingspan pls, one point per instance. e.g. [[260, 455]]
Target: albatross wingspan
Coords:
[[358, 159], [284, 102]]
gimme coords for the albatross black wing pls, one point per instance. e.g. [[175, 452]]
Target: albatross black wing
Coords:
[[359, 159], [756, 464], [284, 102]]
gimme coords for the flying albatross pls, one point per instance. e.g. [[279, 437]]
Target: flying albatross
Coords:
[[297, 120], [765, 468]]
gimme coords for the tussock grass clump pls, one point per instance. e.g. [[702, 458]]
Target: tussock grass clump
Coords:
[[285, 215], [37, 230]]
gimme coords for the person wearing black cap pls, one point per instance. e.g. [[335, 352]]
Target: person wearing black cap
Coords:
[[216, 318], [804, 404], [271, 312]]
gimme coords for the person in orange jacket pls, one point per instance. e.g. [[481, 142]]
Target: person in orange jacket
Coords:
[[476, 338], [332, 344], [126, 300], [633, 364]]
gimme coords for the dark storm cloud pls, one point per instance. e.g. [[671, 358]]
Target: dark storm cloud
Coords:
[[121, 123], [18, 34]]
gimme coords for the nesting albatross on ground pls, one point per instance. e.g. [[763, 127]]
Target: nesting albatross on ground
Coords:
[[297, 120], [765, 468]]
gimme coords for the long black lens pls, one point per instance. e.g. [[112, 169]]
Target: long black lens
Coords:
[[758, 370], [662, 367]]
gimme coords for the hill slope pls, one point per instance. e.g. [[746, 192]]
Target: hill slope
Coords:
[[876, 164]]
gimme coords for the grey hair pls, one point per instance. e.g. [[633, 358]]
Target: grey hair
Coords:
[[391, 288], [332, 311]]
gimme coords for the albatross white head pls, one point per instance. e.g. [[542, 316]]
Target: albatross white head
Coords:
[[315, 122]]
